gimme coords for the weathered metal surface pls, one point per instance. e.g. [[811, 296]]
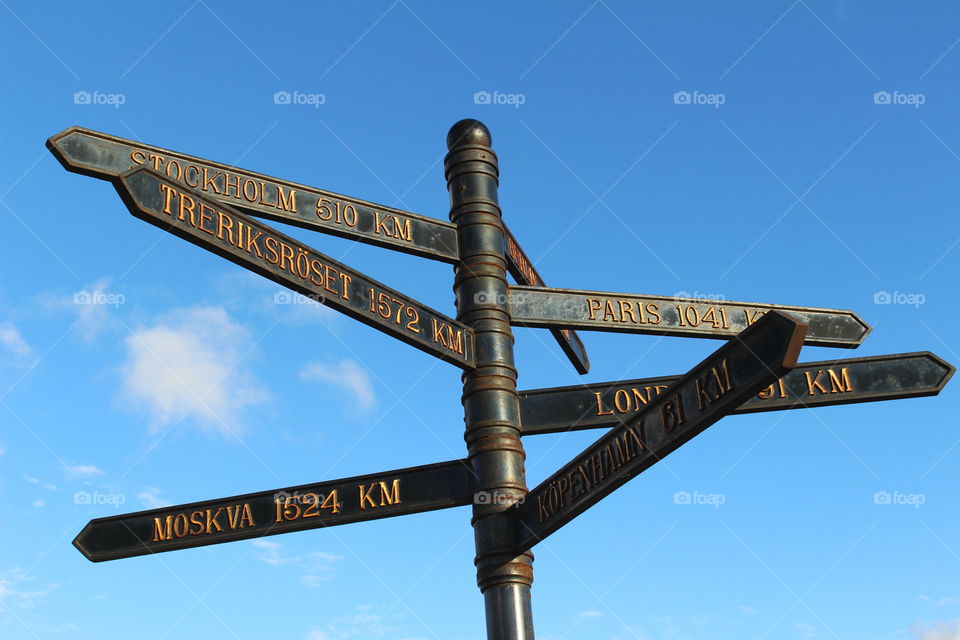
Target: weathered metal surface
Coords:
[[490, 410], [661, 315], [266, 513], [522, 269], [752, 360], [810, 384], [103, 156], [258, 247]]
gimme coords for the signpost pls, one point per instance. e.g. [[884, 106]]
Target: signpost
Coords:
[[810, 384], [739, 369], [659, 315], [266, 513], [209, 204], [262, 249]]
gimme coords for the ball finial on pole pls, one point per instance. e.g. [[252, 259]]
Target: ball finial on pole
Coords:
[[469, 131]]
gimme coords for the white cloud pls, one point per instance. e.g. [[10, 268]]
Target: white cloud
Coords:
[[317, 566], [362, 622], [940, 631], [349, 376], [748, 610], [806, 629], [14, 597], [12, 341], [591, 613], [38, 503], [94, 306], [187, 366], [150, 498], [31, 479], [84, 471]]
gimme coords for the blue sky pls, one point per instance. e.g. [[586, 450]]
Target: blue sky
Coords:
[[796, 153]]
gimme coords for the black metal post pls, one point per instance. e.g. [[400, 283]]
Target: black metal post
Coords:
[[490, 402]]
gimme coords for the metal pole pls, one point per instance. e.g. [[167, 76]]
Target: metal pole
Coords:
[[490, 402]]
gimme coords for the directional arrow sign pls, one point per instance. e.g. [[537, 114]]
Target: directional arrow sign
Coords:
[[629, 313], [103, 156], [256, 246], [308, 506], [522, 269], [749, 362], [811, 384]]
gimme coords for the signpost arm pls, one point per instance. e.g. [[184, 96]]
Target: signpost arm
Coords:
[[490, 401]]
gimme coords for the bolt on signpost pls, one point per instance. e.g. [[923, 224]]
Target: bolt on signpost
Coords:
[[217, 207]]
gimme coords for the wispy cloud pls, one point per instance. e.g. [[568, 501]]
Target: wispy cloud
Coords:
[[95, 306], [347, 375], [12, 341], [85, 471], [150, 498], [939, 631], [317, 566], [188, 365], [14, 596]]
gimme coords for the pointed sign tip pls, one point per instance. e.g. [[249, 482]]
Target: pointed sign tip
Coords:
[[79, 539]]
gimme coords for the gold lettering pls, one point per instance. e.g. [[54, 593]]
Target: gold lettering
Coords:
[[271, 245], [391, 495], [180, 525], [288, 202], [162, 530], [210, 181], [227, 184], [365, 496], [626, 401], [184, 206], [186, 175], [221, 216], [380, 223], [814, 382], [167, 194], [205, 217], [286, 255], [751, 318], [840, 383], [211, 521], [593, 305], [600, 411], [195, 520]]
